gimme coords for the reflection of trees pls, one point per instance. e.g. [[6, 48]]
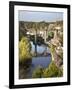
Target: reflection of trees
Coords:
[[40, 40]]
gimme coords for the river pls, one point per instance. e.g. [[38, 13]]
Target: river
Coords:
[[43, 61]]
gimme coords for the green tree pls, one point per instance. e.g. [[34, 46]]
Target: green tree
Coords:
[[24, 49], [37, 73], [52, 71], [22, 29], [50, 34]]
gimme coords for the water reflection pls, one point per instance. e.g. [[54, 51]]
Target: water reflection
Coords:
[[41, 49], [36, 61], [44, 61]]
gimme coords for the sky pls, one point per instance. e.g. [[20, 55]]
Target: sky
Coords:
[[37, 16]]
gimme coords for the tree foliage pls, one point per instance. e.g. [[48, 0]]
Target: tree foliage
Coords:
[[50, 34], [24, 49], [52, 71], [37, 73]]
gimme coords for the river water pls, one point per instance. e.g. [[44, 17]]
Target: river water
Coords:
[[40, 49], [43, 61]]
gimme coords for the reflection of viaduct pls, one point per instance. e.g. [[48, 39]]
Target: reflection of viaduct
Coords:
[[42, 33]]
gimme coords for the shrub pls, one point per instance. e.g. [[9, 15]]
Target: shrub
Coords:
[[24, 49], [37, 73], [52, 71], [50, 35]]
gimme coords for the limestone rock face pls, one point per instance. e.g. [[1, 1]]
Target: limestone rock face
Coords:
[[56, 44]]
